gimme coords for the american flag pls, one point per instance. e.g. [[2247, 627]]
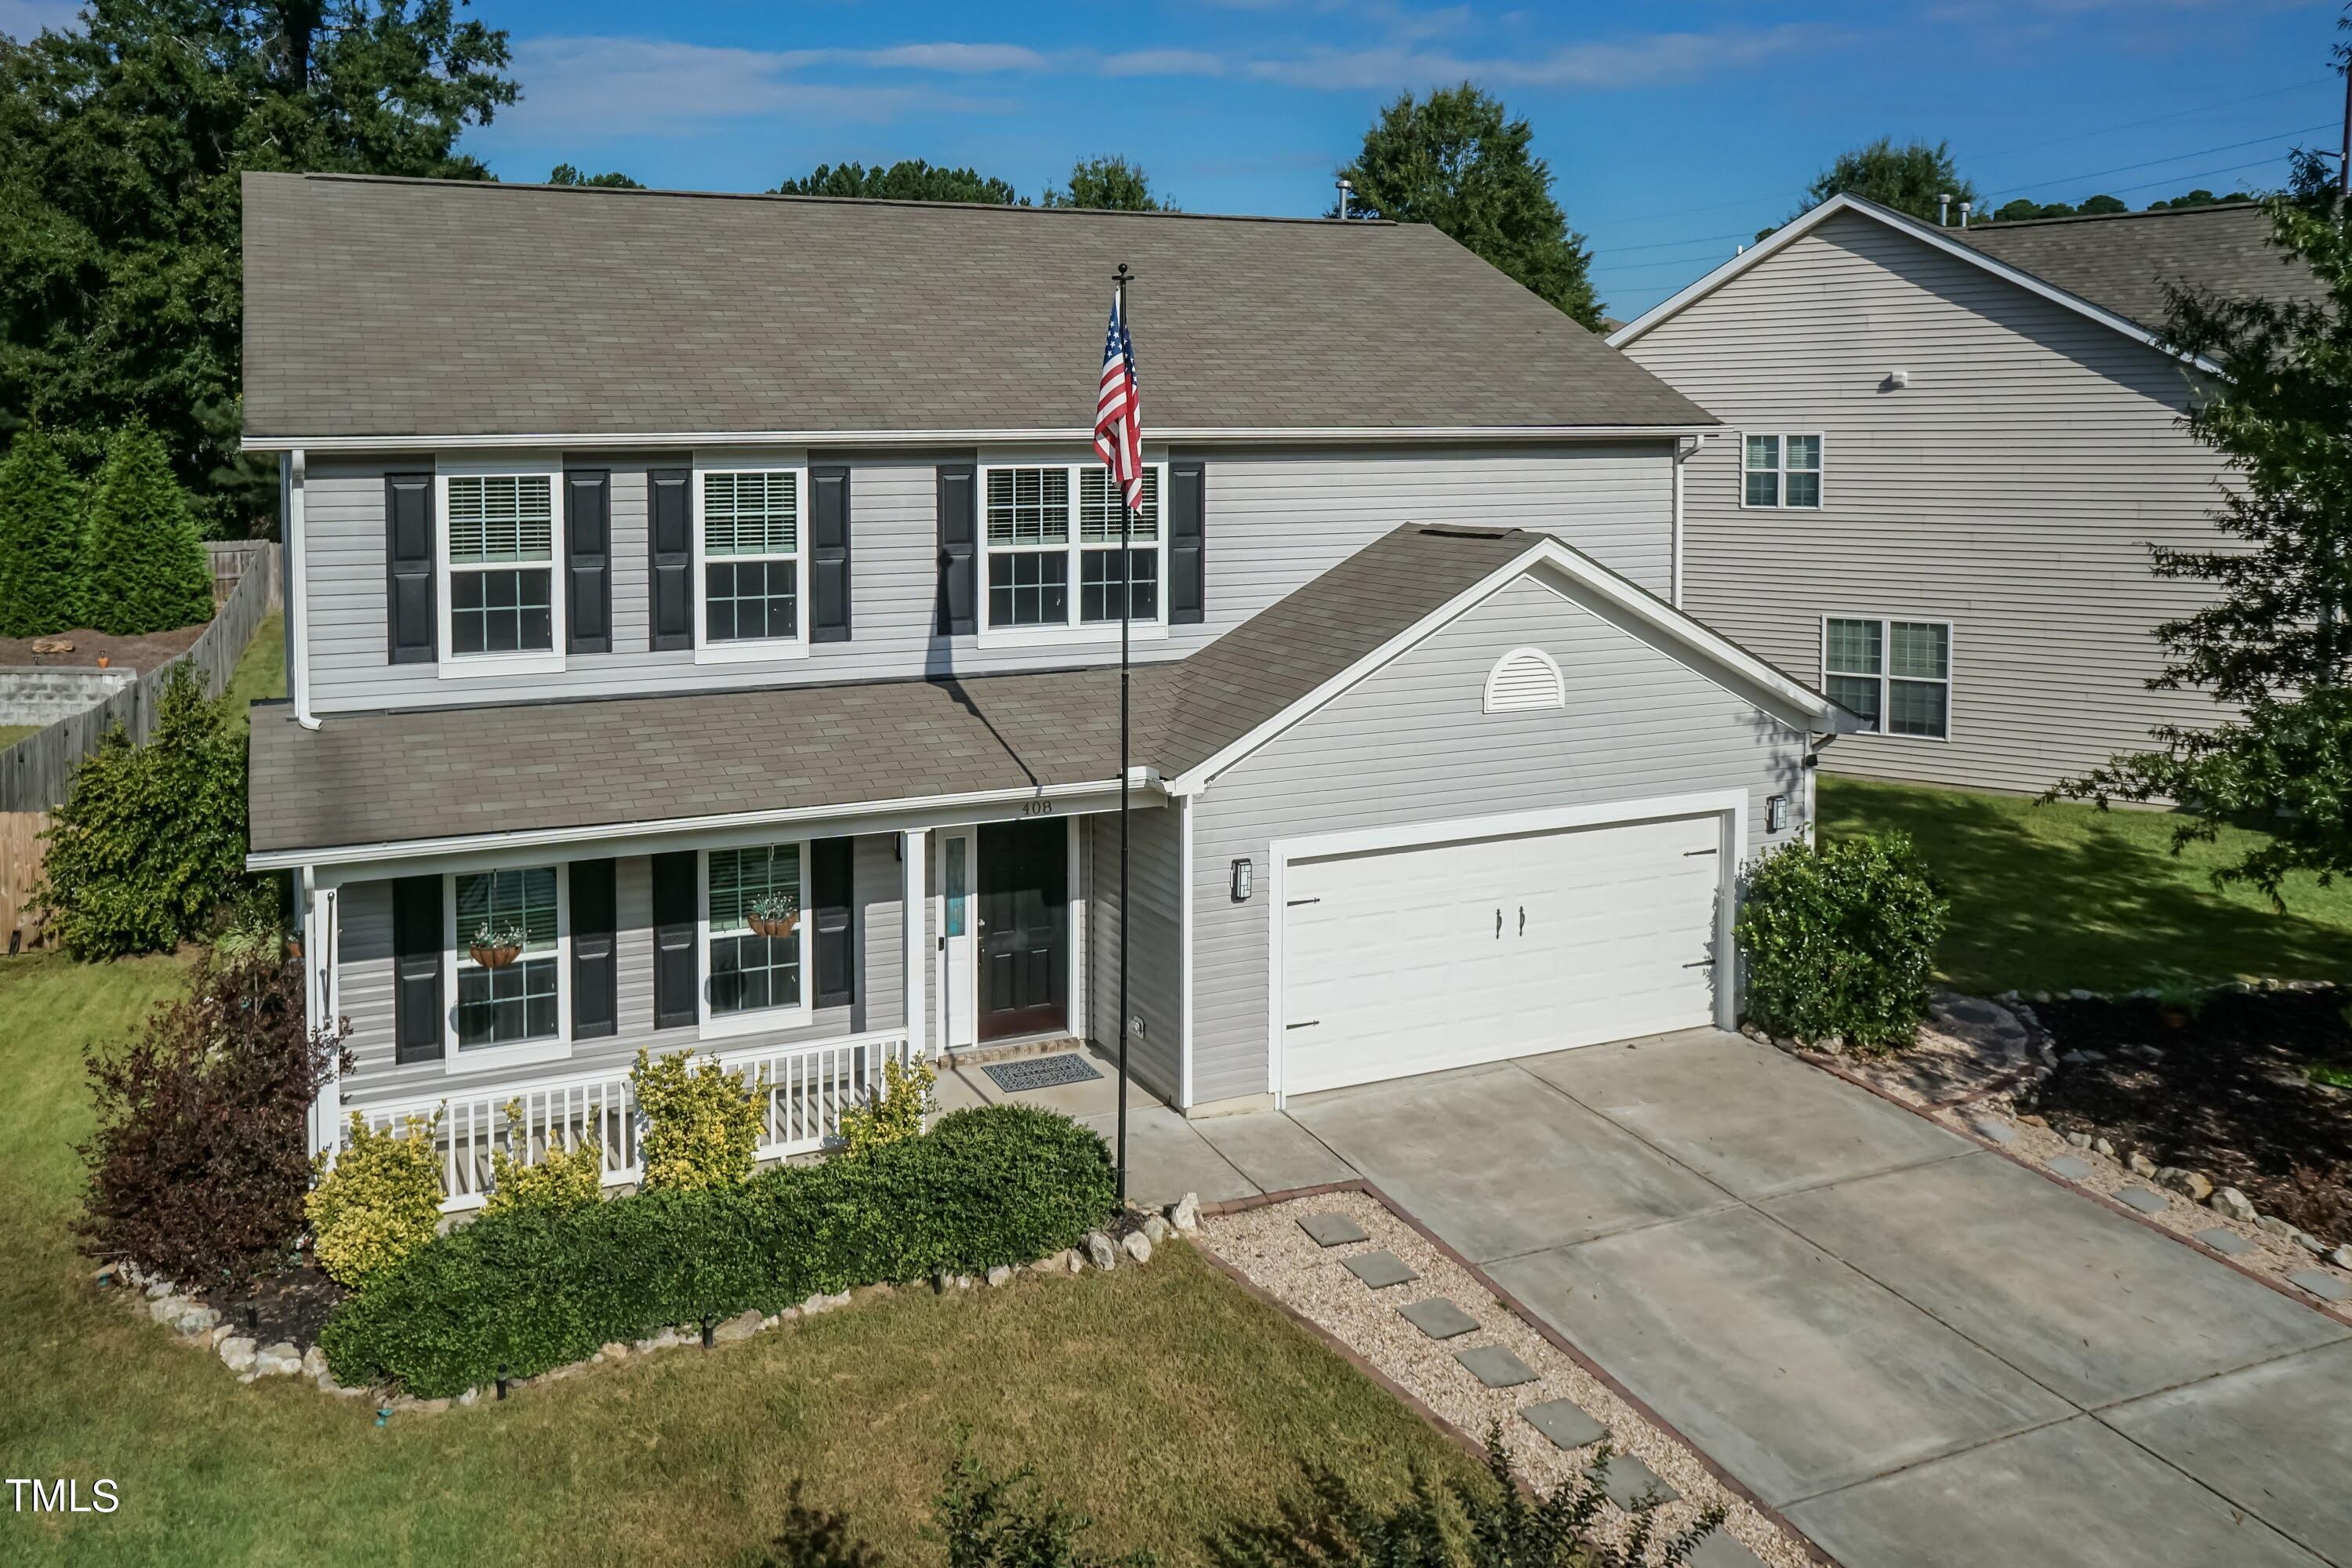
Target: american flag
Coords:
[[1118, 411]]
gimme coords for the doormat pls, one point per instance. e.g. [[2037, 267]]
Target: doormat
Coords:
[[1040, 1072]]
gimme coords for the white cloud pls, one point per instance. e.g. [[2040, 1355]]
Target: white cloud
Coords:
[[1646, 61], [960, 59], [1165, 62], [625, 86]]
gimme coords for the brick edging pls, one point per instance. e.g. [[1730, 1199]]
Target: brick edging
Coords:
[[2269, 1281], [1519, 1310]]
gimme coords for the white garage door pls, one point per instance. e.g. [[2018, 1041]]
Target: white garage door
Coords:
[[1407, 960]]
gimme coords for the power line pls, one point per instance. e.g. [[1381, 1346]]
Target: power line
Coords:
[[2153, 120], [1671, 244], [2175, 158]]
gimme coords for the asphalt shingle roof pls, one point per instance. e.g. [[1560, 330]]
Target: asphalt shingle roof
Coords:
[[382, 306], [372, 778], [2122, 261]]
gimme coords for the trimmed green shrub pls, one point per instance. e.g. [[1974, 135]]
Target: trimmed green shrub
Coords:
[[530, 1290], [151, 842], [559, 1181], [40, 538], [143, 564], [1839, 940], [703, 1123], [380, 1201], [896, 1114]]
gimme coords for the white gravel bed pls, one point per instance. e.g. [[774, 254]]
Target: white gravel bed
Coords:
[[1269, 1248]]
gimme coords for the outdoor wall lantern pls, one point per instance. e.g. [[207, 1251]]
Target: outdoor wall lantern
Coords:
[[1776, 813], [1242, 880]]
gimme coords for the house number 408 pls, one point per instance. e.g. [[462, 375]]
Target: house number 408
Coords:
[[1036, 808]]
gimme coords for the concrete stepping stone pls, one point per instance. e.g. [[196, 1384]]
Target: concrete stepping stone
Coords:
[[1438, 1318], [1723, 1550], [1565, 1422], [2327, 1286], [2147, 1200], [1379, 1270], [2068, 1166], [1332, 1229], [1495, 1365], [1998, 1132], [1629, 1479], [2225, 1241]]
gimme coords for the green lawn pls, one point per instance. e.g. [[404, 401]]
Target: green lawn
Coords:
[[12, 733], [262, 671], [1161, 1400], [2048, 898]]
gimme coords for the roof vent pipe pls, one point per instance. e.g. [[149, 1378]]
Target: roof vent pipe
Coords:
[[1964, 214], [1944, 209], [1344, 189]]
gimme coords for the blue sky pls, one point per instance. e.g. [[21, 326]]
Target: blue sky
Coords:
[[1672, 130]]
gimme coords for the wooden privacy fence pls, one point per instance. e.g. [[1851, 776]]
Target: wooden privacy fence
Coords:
[[36, 772]]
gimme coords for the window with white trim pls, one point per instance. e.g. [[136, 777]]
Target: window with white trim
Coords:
[[501, 564], [1050, 546], [1781, 471], [750, 973], [750, 529], [1896, 675], [520, 1001]]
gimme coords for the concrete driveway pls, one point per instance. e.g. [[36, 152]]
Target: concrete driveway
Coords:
[[1918, 1351]]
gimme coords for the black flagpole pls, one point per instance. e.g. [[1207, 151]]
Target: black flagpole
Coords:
[[1126, 611]]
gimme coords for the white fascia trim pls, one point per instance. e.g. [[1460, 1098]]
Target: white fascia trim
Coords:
[[1178, 433], [502, 844], [1789, 233], [1602, 582]]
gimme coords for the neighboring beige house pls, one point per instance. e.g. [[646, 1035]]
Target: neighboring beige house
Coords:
[[1947, 452]]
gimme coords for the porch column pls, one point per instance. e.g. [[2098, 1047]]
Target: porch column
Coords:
[[913, 843], [320, 926]]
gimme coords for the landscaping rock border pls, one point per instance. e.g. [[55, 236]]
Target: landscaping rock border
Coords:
[[1267, 1246]]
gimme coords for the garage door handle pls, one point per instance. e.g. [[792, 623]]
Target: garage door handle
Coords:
[[1309, 1025], [1523, 920], [1688, 853], [1702, 963], [1294, 903]]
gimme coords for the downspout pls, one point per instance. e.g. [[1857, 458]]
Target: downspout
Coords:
[[1681, 454], [298, 588]]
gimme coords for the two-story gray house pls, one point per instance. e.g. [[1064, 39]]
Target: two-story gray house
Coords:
[[654, 555], [1945, 454]]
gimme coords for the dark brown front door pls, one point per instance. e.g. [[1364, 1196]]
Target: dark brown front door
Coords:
[[1024, 927]]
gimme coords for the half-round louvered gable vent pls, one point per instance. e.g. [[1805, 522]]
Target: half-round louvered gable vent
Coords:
[[1522, 678]]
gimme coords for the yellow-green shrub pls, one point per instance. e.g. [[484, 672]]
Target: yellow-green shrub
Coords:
[[559, 1181], [702, 1123], [895, 1114], [380, 1201]]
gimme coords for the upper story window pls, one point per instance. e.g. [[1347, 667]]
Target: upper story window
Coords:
[[1782, 471], [513, 1010], [750, 560], [1050, 535], [1897, 674], [502, 608]]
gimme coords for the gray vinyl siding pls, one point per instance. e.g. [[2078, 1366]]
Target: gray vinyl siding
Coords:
[[1155, 975], [1275, 520], [365, 987], [2013, 488], [1411, 743]]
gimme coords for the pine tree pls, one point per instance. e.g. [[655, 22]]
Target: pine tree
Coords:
[[40, 538], [143, 566]]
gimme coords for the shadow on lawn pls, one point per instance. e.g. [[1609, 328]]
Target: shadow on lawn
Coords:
[[2109, 912]]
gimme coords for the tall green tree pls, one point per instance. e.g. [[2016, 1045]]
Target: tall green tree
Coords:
[[1911, 178], [121, 144], [907, 180], [143, 565], [2275, 640], [40, 538], [568, 174], [1112, 184], [1458, 161]]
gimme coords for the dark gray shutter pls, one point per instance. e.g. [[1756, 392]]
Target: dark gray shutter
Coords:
[[416, 942], [1188, 578], [411, 625], [832, 895], [669, 587], [677, 968], [829, 554], [588, 560], [959, 545], [596, 969]]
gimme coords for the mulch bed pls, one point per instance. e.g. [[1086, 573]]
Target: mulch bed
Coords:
[[2229, 1096], [121, 653], [293, 1306]]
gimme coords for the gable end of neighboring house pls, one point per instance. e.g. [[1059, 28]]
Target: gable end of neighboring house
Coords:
[[1936, 491]]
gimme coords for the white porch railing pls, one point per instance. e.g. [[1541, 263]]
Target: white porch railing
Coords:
[[802, 1091]]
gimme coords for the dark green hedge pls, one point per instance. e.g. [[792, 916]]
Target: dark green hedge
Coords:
[[528, 1291]]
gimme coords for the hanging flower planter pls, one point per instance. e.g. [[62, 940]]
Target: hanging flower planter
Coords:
[[496, 944], [773, 915]]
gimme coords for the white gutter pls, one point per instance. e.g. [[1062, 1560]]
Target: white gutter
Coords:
[[571, 441], [296, 590], [1681, 454], [610, 831]]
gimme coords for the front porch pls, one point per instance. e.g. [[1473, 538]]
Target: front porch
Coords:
[[988, 927]]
